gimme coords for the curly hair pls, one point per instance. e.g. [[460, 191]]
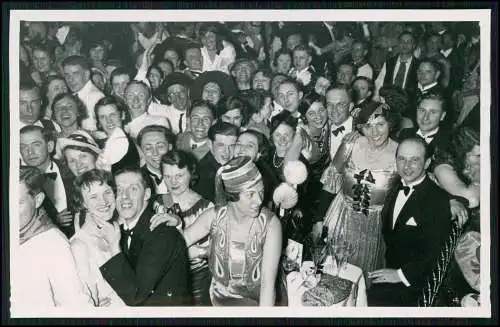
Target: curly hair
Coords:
[[462, 142], [81, 110]]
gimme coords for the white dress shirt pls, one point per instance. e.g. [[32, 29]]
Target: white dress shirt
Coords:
[[446, 53], [134, 127], [401, 200], [335, 141], [379, 82], [57, 194], [172, 114], [366, 70], [90, 95], [222, 61], [425, 88], [128, 225], [429, 135]]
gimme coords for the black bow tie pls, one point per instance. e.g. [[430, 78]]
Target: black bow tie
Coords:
[[52, 175], [406, 189], [338, 130]]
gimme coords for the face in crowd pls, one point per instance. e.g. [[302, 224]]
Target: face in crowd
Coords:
[[79, 161], [427, 74], [35, 150], [194, 60], [223, 148], [30, 104], [178, 95], [109, 118], [247, 145], [250, 201], [410, 161], [282, 138], [66, 112], [233, 116], [338, 105], [301, 59], [131, 195], [289, 97], [283, 63], [137, 98], [201, 119], [119, 84], [76, 77], [154, 145], [317, 115], [177, 179], [99, 200], [376, 130], [211, 92], [429, 114]]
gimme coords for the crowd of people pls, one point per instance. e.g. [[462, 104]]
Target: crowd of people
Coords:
[[171, 164]]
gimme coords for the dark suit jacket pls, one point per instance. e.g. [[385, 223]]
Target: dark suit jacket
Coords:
[[411, 78], [154, 271], [441, 140], [207, 169], [67, 178], [415, 249]]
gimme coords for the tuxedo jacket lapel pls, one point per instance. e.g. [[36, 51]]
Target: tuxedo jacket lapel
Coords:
[[140, 231], [388, 209]]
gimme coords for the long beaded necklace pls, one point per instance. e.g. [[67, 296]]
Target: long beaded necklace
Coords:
[[277, 161]]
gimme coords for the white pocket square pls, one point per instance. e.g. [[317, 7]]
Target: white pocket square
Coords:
[[411, 222]]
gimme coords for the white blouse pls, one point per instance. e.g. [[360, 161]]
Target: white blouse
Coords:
[[222, 61]]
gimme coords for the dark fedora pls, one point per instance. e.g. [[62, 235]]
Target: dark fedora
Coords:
[[224, 81], [177, 78]]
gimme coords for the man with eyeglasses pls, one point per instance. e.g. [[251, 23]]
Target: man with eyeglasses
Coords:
[[196, 141], [339, 105], [138, 97], [176, 86]]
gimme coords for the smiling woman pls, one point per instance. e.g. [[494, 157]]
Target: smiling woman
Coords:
[[68, 111], [96, 192]]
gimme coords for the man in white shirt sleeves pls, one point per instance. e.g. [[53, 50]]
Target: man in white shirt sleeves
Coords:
[[43, 271], [76, 71]]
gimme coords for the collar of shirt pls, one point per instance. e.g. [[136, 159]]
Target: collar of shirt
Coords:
[[86, 89], [198, 144], [425, 88], [415, 182], [431, 133], [407, 61], [131, 224], [446, 53], [51, 169]]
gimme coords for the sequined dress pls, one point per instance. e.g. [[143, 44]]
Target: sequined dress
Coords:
[[355, 213]]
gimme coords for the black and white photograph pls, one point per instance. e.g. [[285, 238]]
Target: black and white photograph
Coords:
[[316, 163]]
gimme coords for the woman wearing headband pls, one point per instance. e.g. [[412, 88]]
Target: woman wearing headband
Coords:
[[245, 244]]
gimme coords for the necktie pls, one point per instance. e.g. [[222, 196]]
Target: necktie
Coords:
[[338, 130], [52, 175], [157, 179], [180, 123], [400, 75], [406, 189], [126, 234]]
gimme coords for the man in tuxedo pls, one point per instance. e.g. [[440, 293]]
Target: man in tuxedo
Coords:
[[431, 112], [155, 141], [76, 70], [402, 69], [36, 146], [223, 137], [416, 223], [147, 268]]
